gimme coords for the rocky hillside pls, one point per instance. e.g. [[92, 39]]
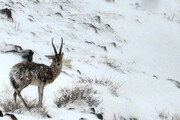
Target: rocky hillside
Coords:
[[121, 58]]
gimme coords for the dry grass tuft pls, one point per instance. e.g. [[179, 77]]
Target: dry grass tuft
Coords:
[[75, 95], [163, 115], [114, 64], [113, 87], [67, 63], [8, 104]]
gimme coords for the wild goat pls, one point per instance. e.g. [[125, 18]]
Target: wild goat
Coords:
[[28, 73]]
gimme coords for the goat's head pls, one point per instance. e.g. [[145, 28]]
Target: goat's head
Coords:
[[57, 58]]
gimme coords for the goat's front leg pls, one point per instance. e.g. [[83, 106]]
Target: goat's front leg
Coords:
[[40, 92]]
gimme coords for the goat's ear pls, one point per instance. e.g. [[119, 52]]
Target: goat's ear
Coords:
[[49, 56]]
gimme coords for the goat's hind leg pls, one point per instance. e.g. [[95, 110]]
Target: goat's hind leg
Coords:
[[15, 86], [19, 94], [15, 96]]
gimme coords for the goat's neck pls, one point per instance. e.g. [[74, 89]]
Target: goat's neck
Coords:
[[55, 70]]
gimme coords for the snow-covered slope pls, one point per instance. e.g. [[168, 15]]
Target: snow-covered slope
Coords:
[[134, 43]]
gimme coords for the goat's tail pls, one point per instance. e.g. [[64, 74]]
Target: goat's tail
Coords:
[[13, 82]]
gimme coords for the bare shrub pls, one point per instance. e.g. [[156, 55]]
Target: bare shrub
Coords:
[[110, 0], [77, 94], [123, 118], [114, 64], [67, 62], [111, 64], [10, 106], [175, 117], [113, 87], [163, 115]]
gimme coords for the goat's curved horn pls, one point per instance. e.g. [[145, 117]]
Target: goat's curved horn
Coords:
[[60, 50], [54, 47]]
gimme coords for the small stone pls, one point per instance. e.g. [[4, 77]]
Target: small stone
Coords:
[[133, 119], [82, 119], [92, 109], [48, 116], [71, 108], [99, 116]]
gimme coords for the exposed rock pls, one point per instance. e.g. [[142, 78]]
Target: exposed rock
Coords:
[[103, 47], [93, 26], [48, 116], [99, 116], [82, 119], [79, 72], [1, 114], [9, 47], [98, 19], [71, 108], [26, 54], [90, 42], [7, 12], [114, 44], [177, 83], [12, 116], [133, 119], [59, 14], [92, 109], [155, 76]]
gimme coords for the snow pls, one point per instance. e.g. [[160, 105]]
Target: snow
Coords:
[[146, 33]]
